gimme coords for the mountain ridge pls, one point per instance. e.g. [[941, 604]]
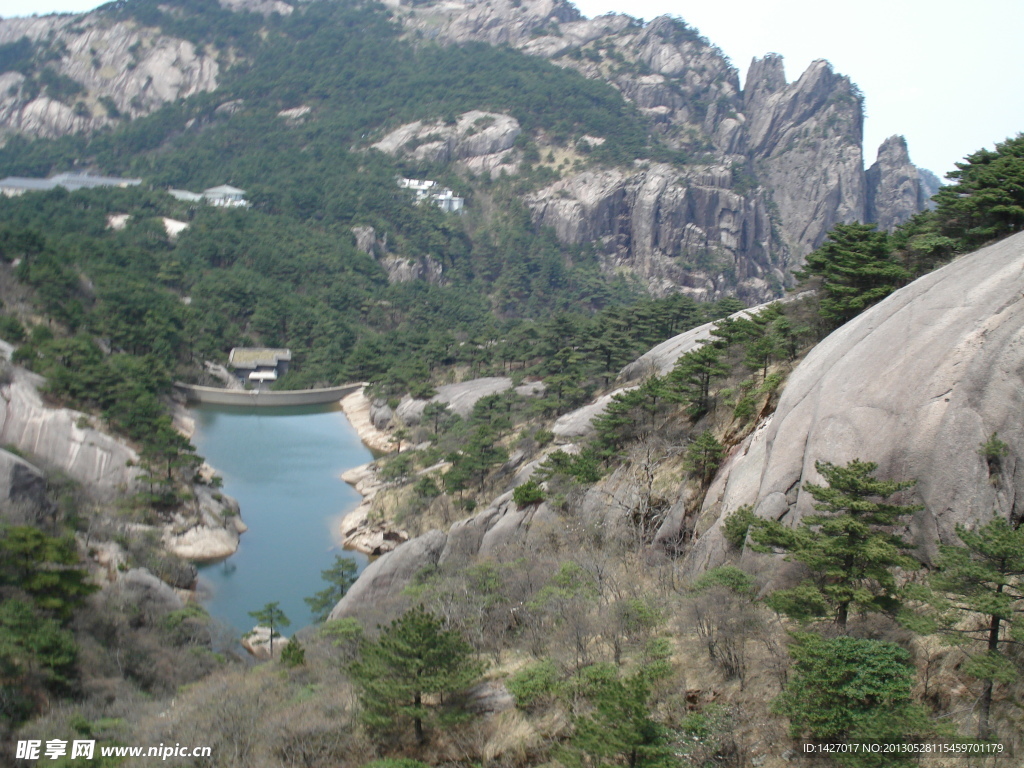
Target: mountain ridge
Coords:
[[770, 168]]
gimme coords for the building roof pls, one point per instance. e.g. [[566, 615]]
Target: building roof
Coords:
[[256, 357], [20, 182], [76, 180]]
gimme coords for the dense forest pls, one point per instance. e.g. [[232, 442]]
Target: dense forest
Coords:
[[611, 657]]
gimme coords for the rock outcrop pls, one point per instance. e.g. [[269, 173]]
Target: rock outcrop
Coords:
[[258, 642], [503, 524], [678, 229], [896, 189], [383, 580], [210, 533], [805, 143], [460, 398], [359, 530], [477, 141], [23, 496], [123, 70], [916, 384], [64, 439]]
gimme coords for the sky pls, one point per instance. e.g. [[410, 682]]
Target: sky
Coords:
[[945, 74]]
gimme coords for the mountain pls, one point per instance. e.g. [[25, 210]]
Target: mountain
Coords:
[[727, 193]]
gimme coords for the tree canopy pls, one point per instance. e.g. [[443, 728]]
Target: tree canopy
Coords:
[[409, 670], [850, 551]]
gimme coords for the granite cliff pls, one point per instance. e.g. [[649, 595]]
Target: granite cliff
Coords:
[[916, 384], [774, 165]]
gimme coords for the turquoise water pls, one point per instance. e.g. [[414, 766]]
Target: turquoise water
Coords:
[[284, 466]]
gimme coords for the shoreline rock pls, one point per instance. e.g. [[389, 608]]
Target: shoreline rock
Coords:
[[357, 409], [358, 531]]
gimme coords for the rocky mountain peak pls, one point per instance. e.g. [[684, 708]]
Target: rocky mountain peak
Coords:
[[896, 189], [805, 140], [765, 76]]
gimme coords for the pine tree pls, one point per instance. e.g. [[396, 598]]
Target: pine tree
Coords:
[[413, 659], [271, 615], [340, 577], [987, 199], [43, 567], [849, 550], [690, 379], [983, 578], [703, 455], [854, 690], [857, 270], [620, 726]]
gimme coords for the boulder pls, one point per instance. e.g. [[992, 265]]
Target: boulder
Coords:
[[382, 582], [257, 643]]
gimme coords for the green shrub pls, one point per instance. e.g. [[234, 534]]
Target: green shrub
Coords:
[[536, 685], [528, 493], [737, 524], [293, 654]]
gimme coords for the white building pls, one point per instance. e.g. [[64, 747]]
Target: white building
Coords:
[[426, 189], [224, 196]]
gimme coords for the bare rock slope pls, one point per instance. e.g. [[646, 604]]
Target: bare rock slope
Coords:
[[916, 384]]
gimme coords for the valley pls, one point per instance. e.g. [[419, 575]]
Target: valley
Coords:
[[695, 435]]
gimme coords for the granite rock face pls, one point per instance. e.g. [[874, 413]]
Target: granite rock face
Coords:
[[678, 230], [805, 140], [460, 398], [63, 438], [896, 189], [477, 141], [134, 69], [795, 148], [916, 384], [379, 590], [384, 579], [22, 489]]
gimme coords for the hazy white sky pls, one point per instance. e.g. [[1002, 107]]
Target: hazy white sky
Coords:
[[946, 74]]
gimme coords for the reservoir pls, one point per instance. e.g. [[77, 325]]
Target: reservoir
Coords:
[[284, 466]]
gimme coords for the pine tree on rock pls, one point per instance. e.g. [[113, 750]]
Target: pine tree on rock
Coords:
[[849, 551], [857, 270], [271, 615]]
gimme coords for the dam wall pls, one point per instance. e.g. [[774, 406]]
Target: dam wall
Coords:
[[267, 398]]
